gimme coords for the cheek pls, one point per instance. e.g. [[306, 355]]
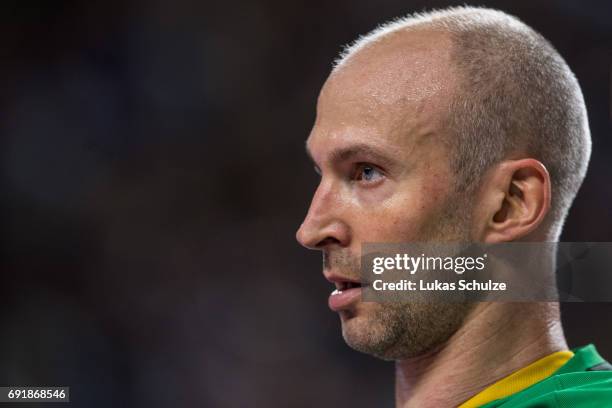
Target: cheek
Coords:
[[395, 219], [401, 215]]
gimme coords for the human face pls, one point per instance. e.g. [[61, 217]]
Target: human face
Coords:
[[385, 178]]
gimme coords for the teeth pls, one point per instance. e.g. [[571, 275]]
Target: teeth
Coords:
[[336, 292]]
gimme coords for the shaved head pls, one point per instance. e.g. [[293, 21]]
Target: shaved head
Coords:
[[512, 96], [403, 86]]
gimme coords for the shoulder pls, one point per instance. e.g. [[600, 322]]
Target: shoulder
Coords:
[[571, 390]]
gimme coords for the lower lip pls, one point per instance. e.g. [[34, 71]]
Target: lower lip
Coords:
[[342, 300]]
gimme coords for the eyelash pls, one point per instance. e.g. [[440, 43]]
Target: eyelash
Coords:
[[359, 169], [357, 172]]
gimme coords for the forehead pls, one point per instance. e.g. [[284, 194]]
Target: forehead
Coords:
[[393, 92]]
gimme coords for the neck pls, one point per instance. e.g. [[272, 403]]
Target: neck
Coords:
[[495, 340]]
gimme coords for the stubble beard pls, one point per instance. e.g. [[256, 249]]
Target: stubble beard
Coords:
[[401, 330]]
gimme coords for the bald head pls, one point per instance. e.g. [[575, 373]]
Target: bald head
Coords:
[[401, 87], [498, 88]]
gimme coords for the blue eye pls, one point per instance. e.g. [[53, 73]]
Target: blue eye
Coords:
[[368, 173]]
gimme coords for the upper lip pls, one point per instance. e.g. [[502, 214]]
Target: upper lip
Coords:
[[341, 282]]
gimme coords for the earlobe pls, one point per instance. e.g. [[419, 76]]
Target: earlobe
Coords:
[[521, 189]]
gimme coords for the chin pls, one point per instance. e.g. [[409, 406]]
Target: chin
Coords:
[[364, 331], [396, 331]]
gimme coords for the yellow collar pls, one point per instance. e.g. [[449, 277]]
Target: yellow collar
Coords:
[[521, 379]]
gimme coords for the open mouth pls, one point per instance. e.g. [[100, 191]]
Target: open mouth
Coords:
[[345, 285], [346, 294]]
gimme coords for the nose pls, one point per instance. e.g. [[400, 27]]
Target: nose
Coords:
[[323, 225]]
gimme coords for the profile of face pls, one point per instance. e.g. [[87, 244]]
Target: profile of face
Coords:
[[385, 178]]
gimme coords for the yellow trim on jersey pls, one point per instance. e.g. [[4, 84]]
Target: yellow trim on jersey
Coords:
[[519, 380]]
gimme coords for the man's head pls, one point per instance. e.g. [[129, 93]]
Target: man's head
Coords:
[[457, 125]]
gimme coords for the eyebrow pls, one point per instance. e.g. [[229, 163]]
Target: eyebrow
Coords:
[[357, 150]]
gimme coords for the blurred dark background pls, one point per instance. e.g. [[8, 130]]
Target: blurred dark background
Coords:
[[154, 176]]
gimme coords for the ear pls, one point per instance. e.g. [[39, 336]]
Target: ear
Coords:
[[514, 201]]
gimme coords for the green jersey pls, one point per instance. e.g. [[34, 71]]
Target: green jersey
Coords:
[[585, 380]]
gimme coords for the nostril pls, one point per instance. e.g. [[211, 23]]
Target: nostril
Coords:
[[326, 242], [318, 235]]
